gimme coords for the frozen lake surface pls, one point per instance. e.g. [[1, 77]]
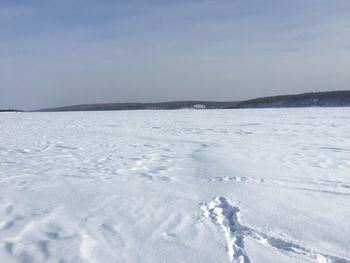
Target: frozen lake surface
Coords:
[[257, 185]]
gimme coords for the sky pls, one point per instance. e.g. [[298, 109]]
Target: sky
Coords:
[[56, 53]]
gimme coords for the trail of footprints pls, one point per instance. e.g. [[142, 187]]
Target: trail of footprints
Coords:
[[226, 216], [303, 184]]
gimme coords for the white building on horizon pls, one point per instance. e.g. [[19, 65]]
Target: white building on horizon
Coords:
[[199, 107]]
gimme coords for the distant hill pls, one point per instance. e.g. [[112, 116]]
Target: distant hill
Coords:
[[312, 99], [171, 105], [9, 110]]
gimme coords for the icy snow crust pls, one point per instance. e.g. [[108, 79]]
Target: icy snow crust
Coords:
[[253, 185]]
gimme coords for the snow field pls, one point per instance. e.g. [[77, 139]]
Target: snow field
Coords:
[[257, 185]]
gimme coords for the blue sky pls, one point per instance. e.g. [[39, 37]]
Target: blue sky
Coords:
[[56, 53]]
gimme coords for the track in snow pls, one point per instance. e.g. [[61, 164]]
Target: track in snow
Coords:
[[226, 215]]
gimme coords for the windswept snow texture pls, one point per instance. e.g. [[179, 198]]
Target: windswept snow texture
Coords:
[[243, 186]]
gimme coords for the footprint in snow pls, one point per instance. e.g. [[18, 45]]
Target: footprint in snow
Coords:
[[226, 215]]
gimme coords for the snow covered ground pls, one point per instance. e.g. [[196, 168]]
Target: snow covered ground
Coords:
[[257, 185]]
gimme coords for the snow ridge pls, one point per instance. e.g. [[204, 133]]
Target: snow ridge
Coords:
[[226, 215]]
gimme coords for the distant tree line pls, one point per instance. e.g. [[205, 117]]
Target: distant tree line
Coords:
[[312, 99], [9, 110]]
